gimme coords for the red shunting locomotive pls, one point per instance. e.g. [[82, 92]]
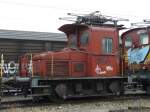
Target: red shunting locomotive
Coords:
[[94, 63]]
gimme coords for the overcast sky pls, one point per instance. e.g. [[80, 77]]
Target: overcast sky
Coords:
[[42, 15]]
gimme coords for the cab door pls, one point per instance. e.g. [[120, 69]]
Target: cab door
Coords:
[[107, 63]]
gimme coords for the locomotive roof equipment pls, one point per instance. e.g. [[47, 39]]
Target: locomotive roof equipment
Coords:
[[95, 18], [145, 23]]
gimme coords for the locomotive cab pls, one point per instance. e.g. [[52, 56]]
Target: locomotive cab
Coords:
[[136, 51], [100, 45]]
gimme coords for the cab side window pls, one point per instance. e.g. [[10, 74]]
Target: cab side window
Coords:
[[143, 38], [73, 41], [107, 44], [84, 39], [128, 41]]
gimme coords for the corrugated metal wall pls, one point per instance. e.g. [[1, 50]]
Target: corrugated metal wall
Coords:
[[58, 45], [12, 49]]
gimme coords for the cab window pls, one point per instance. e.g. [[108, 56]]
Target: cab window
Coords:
[[107, 44], [144, 38], [73, 40], [84, 38], [128, 41]]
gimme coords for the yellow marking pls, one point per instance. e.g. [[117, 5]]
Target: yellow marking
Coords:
[[2, 62]]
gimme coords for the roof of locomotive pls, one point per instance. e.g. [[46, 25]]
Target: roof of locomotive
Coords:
[[69, 28], [133, 30]]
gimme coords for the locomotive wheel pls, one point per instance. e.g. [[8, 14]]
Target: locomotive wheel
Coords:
[[36, 99], [115, 88], [59, 93], [61, 90], [25, 91]]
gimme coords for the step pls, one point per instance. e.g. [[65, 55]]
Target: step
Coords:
[[36, 95], [41, 86]]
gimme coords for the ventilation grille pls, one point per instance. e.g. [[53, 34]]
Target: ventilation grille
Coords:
[[58, 68]]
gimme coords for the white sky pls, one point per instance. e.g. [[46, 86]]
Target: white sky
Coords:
[[42, 15]]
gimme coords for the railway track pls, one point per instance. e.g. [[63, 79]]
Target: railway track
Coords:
[[9, 102], [132, 109], [28, 102]]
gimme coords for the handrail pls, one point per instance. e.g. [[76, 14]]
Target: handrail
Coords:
[[52, 66]]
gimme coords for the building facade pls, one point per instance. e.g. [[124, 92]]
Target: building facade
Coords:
[[14, 43]]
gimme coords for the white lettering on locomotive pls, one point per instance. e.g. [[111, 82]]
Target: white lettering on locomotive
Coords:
[[109, 68]]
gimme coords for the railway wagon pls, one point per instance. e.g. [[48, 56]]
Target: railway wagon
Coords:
[[136, 51]]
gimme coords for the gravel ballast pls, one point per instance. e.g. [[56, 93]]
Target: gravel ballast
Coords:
[[86, 106]]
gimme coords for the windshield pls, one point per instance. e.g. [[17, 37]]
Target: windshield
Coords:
[[73, 40]]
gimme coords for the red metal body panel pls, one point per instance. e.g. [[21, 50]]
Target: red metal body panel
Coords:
[[83, 60], [65, 60], [108, 63], [24, 63]]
